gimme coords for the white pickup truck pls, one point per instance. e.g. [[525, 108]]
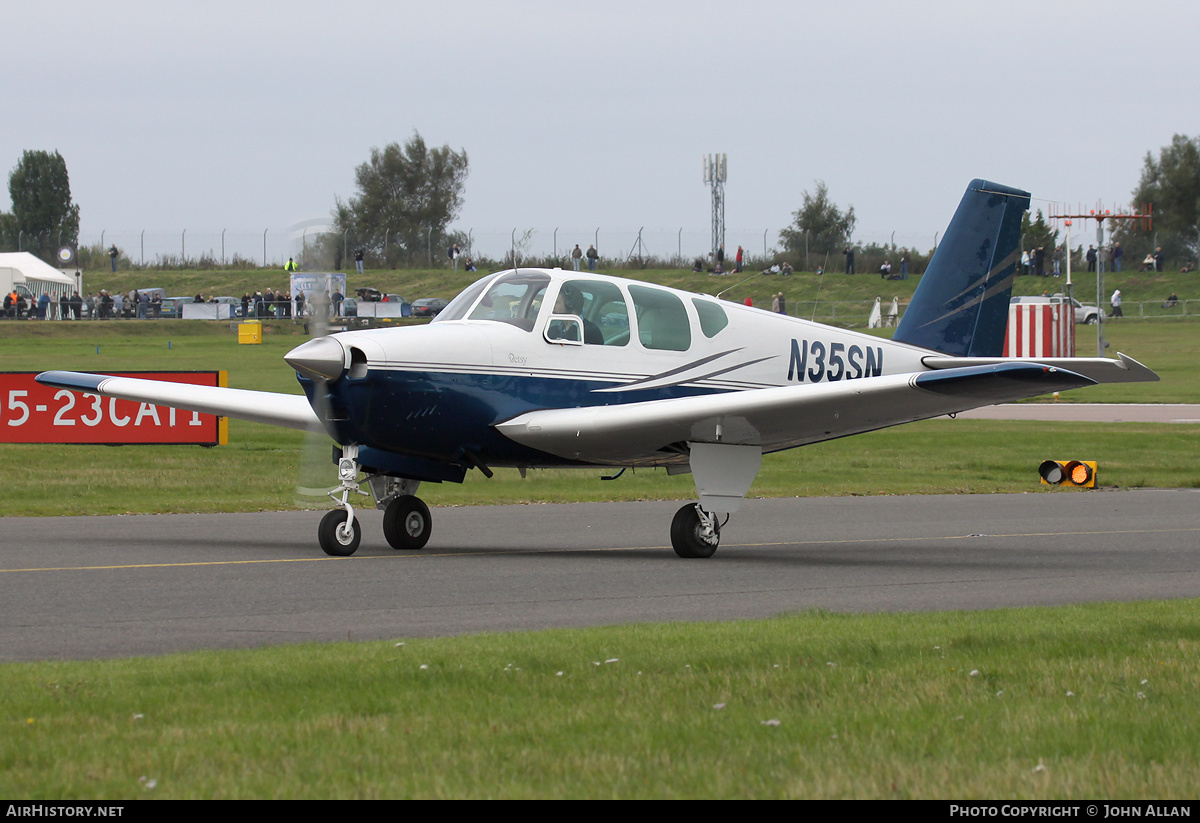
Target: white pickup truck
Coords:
[[1083, 313]]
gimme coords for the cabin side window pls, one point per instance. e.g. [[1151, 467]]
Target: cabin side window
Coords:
[[662, 319], [603, 315]]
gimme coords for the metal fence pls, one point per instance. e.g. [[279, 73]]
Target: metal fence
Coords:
[[272, 246]]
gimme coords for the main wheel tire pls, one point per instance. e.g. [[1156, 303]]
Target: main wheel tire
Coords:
[[686, 534], [407, 523], [335, 538]]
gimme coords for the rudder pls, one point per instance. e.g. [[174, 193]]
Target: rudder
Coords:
[[961, 305]]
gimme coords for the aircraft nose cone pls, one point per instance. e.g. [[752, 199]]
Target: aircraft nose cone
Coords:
[[320, 359]]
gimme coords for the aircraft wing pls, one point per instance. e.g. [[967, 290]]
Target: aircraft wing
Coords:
[[290, 410], [1100, 369], [777, 418]]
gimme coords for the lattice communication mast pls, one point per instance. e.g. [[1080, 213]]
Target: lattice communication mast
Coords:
[[715, 170]]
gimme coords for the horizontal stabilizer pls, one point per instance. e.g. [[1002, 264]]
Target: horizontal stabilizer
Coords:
[[1100, 369], [776, 418], [289, 410]]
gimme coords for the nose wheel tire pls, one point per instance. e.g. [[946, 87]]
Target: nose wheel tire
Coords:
[[335, 538], [407, 523], [689, 536]]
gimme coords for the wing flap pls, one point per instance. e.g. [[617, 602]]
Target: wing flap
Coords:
[[776, 418], [288, 410]]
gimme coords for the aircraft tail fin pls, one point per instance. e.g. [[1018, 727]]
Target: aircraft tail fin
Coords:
[[960, 307]]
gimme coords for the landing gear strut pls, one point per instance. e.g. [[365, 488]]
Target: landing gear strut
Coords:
[[339, 533], [695, 532]]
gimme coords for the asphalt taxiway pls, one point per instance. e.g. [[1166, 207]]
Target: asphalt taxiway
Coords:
[[91, 587]]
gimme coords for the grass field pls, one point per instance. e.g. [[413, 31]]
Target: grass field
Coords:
[[1074, 702]]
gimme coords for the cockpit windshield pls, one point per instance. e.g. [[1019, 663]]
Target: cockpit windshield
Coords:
[[457, 308], [514, 298]]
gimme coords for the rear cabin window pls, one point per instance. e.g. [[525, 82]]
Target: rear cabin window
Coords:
[[712, 317], [514, 298], [662, 319]]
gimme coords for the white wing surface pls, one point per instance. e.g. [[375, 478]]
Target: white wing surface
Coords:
[[777, 418], [289, 410]]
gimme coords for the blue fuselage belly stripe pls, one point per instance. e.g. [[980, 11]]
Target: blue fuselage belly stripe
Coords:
[[440, 416]]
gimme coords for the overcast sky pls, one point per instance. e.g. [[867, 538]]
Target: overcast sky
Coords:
[[252, 115]]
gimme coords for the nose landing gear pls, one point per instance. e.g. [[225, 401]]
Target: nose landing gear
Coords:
[[407, 523]]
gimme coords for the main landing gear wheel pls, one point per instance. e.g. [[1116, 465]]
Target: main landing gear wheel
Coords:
[[694, 534], [336, 539], [407, 523]]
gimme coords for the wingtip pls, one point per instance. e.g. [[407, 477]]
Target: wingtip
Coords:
[[71, 380], [1144, 374]]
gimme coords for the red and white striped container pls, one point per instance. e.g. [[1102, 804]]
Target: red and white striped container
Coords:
[[1040, 330]]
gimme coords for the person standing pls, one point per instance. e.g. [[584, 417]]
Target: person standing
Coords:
[[358, 260], [592, 255], [291, 266], [1091, 258], [738, 261], [849, 252], [1159, 259], [904, 261], [1117, 254], [576, 256], [113, 254]]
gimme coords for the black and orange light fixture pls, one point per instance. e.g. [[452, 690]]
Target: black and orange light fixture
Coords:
[[1079, 473]]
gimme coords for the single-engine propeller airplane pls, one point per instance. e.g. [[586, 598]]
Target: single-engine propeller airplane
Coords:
[[536, 368]]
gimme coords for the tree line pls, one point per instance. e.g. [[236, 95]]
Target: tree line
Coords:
[[407, 195]]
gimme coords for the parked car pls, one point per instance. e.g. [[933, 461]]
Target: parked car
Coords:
[[173, 306], [349, 307], [428, 306], [1083, 313]]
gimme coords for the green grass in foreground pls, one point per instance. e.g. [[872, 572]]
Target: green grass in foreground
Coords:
[[1082, 701]]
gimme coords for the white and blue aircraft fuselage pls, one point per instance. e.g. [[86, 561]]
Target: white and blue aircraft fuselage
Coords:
[[537, 368]]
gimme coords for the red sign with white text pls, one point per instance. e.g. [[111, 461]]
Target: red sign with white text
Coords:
[[33, 413]]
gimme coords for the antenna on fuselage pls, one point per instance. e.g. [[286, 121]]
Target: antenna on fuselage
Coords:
[[735, 285]]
